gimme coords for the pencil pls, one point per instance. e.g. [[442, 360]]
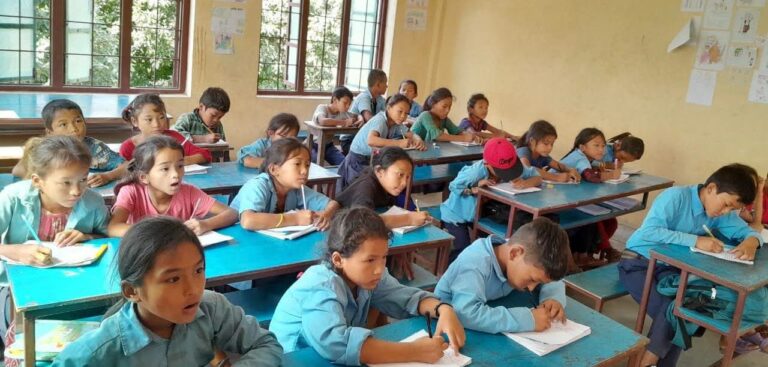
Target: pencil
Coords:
[[197, 204], [303, 197], [416, 203], [32, 230], [706, 229]]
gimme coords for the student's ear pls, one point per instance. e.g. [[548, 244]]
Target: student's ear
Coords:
[[129, 291], [711, 188], [48, 131], [582, 146], [336, 260], [201, 107], [516, 251], [143, 178], [273, 169], [378, 170], [37, 181]]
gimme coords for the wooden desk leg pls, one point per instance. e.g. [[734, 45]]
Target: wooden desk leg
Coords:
[[29, 340], [646, 295], [478, 210], [635, 358], [442, 258], [321, 149], [680, 295], [511, 222], [733, 333], [331, 187], [310, 140]]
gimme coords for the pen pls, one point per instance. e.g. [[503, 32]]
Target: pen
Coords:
[[303, 197], [32, 230], [429, 324], [41, 255], [416, 203], [706, 229], [194, 210]]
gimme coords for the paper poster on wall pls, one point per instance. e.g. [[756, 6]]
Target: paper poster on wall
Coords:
[[423, 4], [750, 2], [228, 20], [222, 44], [717, 14], [682, 37], [743, 57], [701, 87], [712, 50], [762, 68], [415, 19], [758, 91], [745, 25], [692, 6]]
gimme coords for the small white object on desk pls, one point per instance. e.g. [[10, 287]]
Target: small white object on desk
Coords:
[[212, 238], [68, 256], [621, 179], [288, 233], [508, 188], [195, 169], [396, 210], [466, 143], [448, 359], [557, 336]]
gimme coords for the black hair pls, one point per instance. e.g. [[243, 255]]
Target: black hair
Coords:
[[584, 136], [388, 156], [375, 76], [397, 98], [130, 111], [350, 228], [55, 151], [144, 158], [57, 105], [283, 120], [341, 92], [141, 245], [280, 151], [538, 130], [473, 99], [437, 95], [629, 143], [411, 82], [735, 179], [546, 246], [215, 97]]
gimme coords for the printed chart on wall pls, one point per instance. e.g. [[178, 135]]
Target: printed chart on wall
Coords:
[[225, 23]]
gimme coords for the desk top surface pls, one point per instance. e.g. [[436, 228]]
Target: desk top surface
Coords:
[[745, 276], [29, 105], [446, 152]]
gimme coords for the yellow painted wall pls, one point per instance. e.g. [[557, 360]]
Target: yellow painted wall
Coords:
[[599, 63]]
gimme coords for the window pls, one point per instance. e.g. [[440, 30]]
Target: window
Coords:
[[112, 46], [311, 46]]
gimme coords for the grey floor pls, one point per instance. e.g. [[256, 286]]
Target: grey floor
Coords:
[[705, 350]]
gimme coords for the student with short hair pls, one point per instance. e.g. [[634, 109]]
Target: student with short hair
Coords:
[[281, 126], [335, 113], [368, 103], [409, 89]]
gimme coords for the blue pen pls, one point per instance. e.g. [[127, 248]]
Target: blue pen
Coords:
[[32, 230]]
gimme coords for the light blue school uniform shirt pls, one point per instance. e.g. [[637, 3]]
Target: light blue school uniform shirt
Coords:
[[540, 162], [575, 159], [320, 311], [460, 208], [475, 278], [364, 102], [378, 124], [676, 218], [415, 109], [256, 149], [258, 195], [122, 340], [609, 154]]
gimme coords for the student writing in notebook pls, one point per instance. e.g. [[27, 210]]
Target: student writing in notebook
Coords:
[[327, 308], [283, 125], [622, 148], [528, 267], [477, 109], [203, 124], [155, 187], [676, 218], [534, 149], [434, 125], [278, 197]]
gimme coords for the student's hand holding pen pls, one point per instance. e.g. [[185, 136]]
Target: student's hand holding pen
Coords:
[[448, 323], [419, 218], [429, 350], [541, 319], [555, 310], [709, 244], [301, 218], [31, 254], [574, 175]]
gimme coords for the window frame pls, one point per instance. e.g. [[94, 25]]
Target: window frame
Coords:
[[343, 46], [58, 50]]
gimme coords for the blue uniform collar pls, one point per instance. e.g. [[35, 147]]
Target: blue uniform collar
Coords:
[[489, 245], [30, 199], [133, 336], [697, 207]]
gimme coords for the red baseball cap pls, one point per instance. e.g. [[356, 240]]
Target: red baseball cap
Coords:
[[500, 154]]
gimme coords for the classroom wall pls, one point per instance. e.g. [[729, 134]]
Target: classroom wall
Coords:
[[598, 63]]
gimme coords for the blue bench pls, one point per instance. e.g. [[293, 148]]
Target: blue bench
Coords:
[[600, 284]]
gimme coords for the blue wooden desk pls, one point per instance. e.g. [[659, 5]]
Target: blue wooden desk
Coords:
[[29, 105], [445, 152], [608, 344], [742, 278], [324, 134], [563, 199], [57, 291]]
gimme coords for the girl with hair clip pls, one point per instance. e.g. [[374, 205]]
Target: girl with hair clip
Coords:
[[154, 187], [281, 126], [477, 109], [147, 115], [534, 150], [277, 197], [165, 316], [622, 148], [327, 308], [380, 131], [434, 125], [588, 149]]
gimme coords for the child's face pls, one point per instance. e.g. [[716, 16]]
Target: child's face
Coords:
[[150, 120], [342, 104], [63, 186], [408, 90], [395, 178], [170, 292], [282, 133], [480, 110], [442, 108], [715, 204], [211, 116], [625, 157], [295, 171], [68, 123], [380, 88], [399, 112], [594, 149], [522, 275], [544, 146], [167, 173], [365, 267]]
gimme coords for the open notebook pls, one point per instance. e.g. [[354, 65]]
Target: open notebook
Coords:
[[396, 210], [449, 359], [554, 338], [212, 238], [195, 169], [724, 255], [290, 232], [560, 183], [623, 178], [75, 255], [51, 337], [508, 188], [466, 143]]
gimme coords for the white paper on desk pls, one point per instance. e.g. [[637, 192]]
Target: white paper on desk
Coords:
[[701, 87], [195, 169], [556, 337], [508, 188], [724, 255], [212, 238], [448, 359], [683, 36], [68, 256], [560, 182], [466, 143], [396, 210], [621, 179], [717, 14], [221, 142]]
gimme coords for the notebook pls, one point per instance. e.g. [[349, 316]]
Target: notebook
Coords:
[[212, 238], [466, 143], [396, 210], [75, 255], [631, 171], [195, 169], [51, 337], [509, 189], [623, 178], [560, 183], [724, 255], [593, 209], [290, 232], [622, 203], [554, 338], [449, 359]]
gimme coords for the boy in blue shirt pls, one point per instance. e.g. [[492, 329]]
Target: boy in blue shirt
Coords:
[[677, 218], [368, 103], [531, 265]]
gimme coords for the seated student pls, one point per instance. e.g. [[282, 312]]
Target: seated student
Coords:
[[203, 124], [327, 308], [757, 216], [368, 103], [529, 267], [534, 149], [64, 117], [622, 148], [335, 113], [154, 187], [282, 125], [277, 197], [147, 114], [22, 167], [380, 131], [477, 108], [434, 125], [676, 218], [165, 316], [500, 164], [409, 89], [588, 149], [379, 186]]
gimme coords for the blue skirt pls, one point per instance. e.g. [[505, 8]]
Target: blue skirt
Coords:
[[351, 167]]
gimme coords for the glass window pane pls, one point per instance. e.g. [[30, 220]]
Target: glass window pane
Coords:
[[42, 68], [278, 52], [10, 7], [142, 74], [27, 32], [27, 70], [358, 10], [79, 10], [356, 32], [165, 44], [105, 71], [154, 42], [77, 70], [106, 12], [145, 13], [164, 73], [143, 42], [78, 38], [42, 42], [9, 67], [9, 33], [106, 40], [42, 8], [167, 13]]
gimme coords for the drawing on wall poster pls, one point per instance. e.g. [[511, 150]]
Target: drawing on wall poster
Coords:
[[701, 87], [717, 14], [758, 91], [712, 50], [745, 25], [743, 57]]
